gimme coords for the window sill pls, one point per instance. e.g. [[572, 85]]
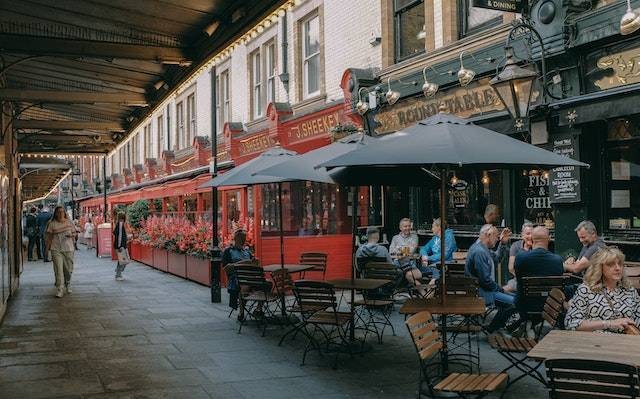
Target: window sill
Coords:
[[256, 122], [309, 103]]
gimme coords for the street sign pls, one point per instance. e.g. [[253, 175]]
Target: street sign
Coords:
[[502, 5]]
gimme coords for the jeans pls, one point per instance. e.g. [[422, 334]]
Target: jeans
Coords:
[[497, 298], [123, 260], [34, 241], [62, 266], [43, 248], [430, 271]]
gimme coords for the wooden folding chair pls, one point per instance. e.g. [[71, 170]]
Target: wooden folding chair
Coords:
[[319, 309], [426, 339], [515, 349], [536, 290], [379, 301], [593, 379], [255, 294], [316, 259]]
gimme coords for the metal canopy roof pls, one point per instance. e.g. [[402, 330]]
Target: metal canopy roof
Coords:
[[82, 73], [40, 176]]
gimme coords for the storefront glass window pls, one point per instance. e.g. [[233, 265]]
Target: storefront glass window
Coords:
[[409, 28], [475, 19], [535, 196], [470, 193], [622, 170], [309, 209]]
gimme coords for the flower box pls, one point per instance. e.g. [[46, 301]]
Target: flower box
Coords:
[[177, 264], [160, 259], [134, 251], [199, 270], [146, 255]]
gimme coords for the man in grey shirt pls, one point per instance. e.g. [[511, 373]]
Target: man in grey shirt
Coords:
[[591, 243]]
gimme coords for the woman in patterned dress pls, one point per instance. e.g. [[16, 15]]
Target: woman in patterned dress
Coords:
[[606, 301]]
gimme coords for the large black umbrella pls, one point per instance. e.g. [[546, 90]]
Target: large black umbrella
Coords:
[[243, 175], [441, 142]]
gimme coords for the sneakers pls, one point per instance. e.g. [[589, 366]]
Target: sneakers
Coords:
[[60, 293], [68, 289], [119, 278]]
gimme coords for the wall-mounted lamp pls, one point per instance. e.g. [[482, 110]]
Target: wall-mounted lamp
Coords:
[[465, 76], [485, 178], [429, 89], [391, 96], [630, 21], [361, 106], [211, 28]]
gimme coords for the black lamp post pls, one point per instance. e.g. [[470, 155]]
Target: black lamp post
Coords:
[[514, 86]]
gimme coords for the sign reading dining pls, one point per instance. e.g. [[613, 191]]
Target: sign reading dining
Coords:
[[464, 102], [502, 5]]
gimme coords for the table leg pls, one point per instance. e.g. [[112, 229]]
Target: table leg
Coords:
[[352, 326]]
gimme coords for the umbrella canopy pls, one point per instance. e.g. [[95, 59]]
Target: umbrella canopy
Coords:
[[444, 140], [301, 167], [244, 174]]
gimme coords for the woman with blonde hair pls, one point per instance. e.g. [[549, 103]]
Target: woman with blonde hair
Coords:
[[606, 301], [61, 233]]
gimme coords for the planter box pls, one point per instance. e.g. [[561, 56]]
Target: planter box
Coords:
[[146, 255], [134, 251], [177, 264], [199, 270], [161, 259]]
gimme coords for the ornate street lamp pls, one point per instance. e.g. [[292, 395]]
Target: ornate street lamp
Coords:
[[514, 86]]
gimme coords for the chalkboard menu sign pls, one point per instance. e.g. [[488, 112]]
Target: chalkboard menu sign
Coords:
[[565, 180]]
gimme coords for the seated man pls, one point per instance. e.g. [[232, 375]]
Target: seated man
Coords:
[[409, 242], [523, 245], [538, 262], [232, 254], [591, 243], [372, 251], [431, 250], [480, 264]]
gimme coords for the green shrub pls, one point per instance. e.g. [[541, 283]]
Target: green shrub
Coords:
[[137, 212]]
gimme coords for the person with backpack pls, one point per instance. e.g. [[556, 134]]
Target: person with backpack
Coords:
[[32, 233]]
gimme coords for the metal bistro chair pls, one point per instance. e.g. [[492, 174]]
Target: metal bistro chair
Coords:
[[593, 379], [332, 324], [536, 290], [316, 259], [229, 271], [378, 301], [427, 341], [255, 295], [515, 349]]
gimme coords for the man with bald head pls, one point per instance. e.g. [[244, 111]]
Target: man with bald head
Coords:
[[539, 262]]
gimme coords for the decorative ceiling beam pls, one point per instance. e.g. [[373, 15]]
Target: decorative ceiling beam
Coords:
[[73, 97], [37, 45], [66, 125]]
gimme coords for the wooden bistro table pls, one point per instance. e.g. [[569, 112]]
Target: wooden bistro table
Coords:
[[453, 305], [291, 268], [560, 344], [353, 285]]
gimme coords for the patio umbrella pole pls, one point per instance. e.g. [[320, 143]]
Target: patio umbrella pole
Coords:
[[282, 300], [354, 232], [443, 226]]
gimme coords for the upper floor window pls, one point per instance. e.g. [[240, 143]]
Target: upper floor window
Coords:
[[271, 72], [409, 28], [257, 105], [475, 19], [160, 135], [191, 120], [179, 125], [311, 57], [222, 100], [148, 148]]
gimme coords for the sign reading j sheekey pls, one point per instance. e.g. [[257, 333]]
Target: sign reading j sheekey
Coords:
[[464, 102]]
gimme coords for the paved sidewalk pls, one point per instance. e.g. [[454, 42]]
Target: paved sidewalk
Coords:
[[155, 335]]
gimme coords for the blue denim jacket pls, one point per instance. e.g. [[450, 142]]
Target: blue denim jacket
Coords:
[[232, 255], [480, 264]]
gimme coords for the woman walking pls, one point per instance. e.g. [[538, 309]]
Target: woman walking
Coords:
[[62, 237], [120, 244]]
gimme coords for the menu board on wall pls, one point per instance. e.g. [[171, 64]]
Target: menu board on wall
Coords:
[[565, 180]]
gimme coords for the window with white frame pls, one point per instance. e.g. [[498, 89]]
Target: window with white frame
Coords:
[[475, 19], [179, 126], [257, 108], [160, 146], [147, 146], [191, 119], [222, 100], [311, 56], [271, 72]]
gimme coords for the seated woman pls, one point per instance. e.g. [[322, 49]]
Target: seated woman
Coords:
[[431, 251], [236, 252], [606, 301]]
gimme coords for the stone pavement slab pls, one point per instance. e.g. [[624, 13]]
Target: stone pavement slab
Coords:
[[155, 335]]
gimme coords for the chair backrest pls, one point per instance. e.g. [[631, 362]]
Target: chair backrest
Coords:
[[539, 287], [380, 270], [316, 259], [312, 295], [460, 285], [455, 269], [282, 282], [553, 310], [579, 378], [251, 276], [363, 260], [424, 334]]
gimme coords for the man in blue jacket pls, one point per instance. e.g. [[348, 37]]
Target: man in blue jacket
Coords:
[[431, 251], [480, 264], [43, 218]]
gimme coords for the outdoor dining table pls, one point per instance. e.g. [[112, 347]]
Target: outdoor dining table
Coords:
[[291, 268], [453, 305], [561, 344], [353, 285]]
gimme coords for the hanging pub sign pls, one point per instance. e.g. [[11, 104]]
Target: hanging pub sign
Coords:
[[502, 5], [565, 180]]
